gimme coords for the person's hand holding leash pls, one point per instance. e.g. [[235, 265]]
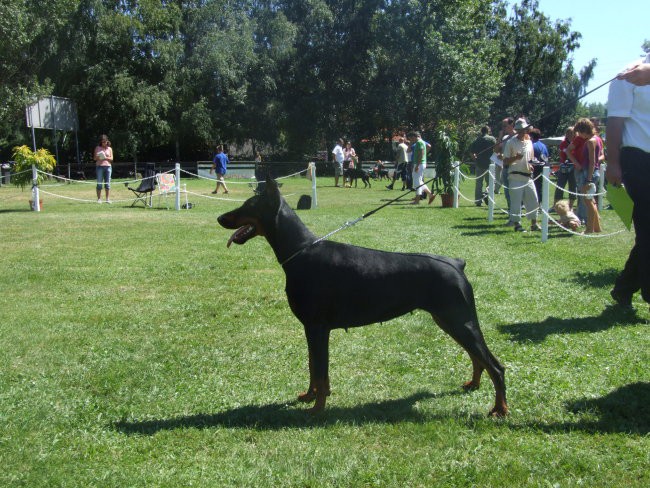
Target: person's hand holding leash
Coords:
[[638, 74]]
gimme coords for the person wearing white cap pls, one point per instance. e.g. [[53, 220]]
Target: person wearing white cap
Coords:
[[516, 156], [628, 162]]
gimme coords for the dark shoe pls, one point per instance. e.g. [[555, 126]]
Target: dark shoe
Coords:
[[621, 300], [389, 187], [519, 228]]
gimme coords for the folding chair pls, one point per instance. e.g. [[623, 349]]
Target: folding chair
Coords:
[[167, 186], [147, 185]]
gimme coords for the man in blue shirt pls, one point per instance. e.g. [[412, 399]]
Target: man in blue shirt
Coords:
[[219, 166]]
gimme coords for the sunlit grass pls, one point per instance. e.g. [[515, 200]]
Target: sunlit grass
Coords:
[[138, 351]]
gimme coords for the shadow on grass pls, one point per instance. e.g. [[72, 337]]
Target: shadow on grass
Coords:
[[538, 331], [15, 210], [624, 410], [604, 278], [275, 416]]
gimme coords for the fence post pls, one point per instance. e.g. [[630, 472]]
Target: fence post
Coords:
[[314, 197], [601, 186], [178, 186], [456, 183], [35, 194], [492, 172], [546, 173]]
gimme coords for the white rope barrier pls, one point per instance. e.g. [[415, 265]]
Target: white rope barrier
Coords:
[[83, 182], [468, 177], [601, 194], [209, 197], [493, 204], [21, 172], [546, 217], [252, 179], [66, 181], [230, 182], [82, 200]]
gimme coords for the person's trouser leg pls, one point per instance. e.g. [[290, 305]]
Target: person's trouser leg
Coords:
[[516, 198], [562, 180], [481, 177], [635, 165], [506, 184]]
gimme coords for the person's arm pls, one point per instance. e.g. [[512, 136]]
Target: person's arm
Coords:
[[638, 75], [109, 154], [614, 133], [508, 160], [570, 156], [591, 148]]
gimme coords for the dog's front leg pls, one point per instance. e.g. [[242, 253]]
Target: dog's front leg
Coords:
[[318, 343], [309, 395]]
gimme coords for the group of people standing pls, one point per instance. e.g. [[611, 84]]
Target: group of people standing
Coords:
[[581, 153], [345, 157], [520, 157], [410, 162]]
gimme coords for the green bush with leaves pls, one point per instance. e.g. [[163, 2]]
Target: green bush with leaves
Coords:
[[22, 171], [444, 154]]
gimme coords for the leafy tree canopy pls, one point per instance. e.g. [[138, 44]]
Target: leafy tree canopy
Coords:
[[175, 77]]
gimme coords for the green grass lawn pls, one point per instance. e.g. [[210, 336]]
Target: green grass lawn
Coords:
[[138, 351]]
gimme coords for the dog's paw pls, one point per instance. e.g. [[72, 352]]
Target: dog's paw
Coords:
[[471, 386], [498, 411], [307, 397], [315, 410]]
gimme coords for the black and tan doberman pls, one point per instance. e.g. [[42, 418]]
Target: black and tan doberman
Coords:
[[322, 275]]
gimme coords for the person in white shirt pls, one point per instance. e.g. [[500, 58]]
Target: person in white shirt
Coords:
[[339, 156], [401, 160], [628, 162], [517, 153]]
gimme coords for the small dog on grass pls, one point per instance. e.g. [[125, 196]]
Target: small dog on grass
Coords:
[[567, 217]]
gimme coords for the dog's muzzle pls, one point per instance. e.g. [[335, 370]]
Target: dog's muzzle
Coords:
[[242, 235]]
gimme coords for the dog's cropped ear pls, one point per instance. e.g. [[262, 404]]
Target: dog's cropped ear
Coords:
[[271, 189]]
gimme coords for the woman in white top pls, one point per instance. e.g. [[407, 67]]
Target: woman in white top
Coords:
[[103, 156]]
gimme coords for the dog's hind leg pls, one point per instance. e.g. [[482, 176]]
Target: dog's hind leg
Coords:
[[468, 334], [477, 371]]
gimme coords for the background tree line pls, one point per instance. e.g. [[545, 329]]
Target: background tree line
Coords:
[[167, 79]]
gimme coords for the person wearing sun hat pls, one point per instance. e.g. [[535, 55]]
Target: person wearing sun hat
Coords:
[[517, 153], [628, 162]]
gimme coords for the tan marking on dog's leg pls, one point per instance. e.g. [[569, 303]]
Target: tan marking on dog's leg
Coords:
[[322, 390], [477, 371], [309, 395]]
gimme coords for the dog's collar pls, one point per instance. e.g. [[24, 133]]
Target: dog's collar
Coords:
[[297, 252], [327, 236]]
